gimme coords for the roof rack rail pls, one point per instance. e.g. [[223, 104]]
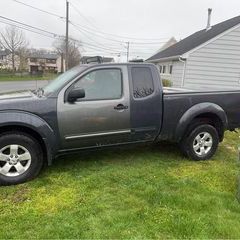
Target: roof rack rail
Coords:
[[137, 60], [96, 59]]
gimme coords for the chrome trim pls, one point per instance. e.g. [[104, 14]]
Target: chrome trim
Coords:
[[98, 134], [65, 151]]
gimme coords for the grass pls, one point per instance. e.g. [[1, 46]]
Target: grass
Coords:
[[142, 192], [7, 78]]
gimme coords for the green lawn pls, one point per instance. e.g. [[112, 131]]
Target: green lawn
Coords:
[[6, 78], [142, 192]]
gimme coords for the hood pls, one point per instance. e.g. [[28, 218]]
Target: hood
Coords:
[[16, 95]]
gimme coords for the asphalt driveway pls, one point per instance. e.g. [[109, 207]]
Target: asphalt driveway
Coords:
[[21, 85]]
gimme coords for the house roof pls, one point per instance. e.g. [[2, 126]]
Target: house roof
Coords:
[[43, 55], [196, 39]]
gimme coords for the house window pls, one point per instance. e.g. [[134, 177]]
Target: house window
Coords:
[[51, 61], [142, 82], [164, 69], [33, 60], [160, 68], [170, 69]]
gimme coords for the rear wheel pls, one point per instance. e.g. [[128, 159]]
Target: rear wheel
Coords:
[[201, 142], [21, 158]]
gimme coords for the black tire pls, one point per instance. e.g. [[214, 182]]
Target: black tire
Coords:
[[188, 141], [33, 148]]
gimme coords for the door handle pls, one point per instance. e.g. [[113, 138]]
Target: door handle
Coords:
[[120, 107]]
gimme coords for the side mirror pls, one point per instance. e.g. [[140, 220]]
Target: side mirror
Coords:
[[75, 94]]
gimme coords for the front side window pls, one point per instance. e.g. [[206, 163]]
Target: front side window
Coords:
[[142, 82], [101, 84], [63, 79]]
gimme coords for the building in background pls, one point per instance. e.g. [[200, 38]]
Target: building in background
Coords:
[[6, 60], [209, 58], [45, 62]]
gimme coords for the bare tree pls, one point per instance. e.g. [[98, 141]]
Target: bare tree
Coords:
[[23, 53], [74, 54], [13, 39]]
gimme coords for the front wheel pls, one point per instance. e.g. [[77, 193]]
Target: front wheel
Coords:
[[201, 142], [21, 158]]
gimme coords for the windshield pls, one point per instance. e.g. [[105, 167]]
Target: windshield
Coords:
[[62, 79]]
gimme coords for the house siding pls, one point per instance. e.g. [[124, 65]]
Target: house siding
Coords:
[[215, 65], [177, 73]]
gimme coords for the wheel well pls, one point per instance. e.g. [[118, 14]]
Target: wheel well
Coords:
[[212, 119], [29, 131]]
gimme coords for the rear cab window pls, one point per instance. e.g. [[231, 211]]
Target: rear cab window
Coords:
[[142, 82]]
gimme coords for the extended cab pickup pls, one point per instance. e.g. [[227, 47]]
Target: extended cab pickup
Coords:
[[94, 106]]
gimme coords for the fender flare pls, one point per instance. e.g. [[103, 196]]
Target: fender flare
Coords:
[[196, 110], [34, 123]]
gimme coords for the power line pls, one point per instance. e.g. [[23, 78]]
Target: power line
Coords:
[[29, 26], [53, 35], [111, 39], [118, 36], [91, 39], [41, 10], [104, 48], [14, 25], [135, 51], [80, 14], [93, 31], [96, 34], [99, 49]]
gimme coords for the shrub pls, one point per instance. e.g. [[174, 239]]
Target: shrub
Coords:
[[166, 83]]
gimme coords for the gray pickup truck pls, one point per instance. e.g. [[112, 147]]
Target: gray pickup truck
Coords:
[[96, 106]]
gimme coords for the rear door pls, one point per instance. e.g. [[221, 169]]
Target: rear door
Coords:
[[145, 101]]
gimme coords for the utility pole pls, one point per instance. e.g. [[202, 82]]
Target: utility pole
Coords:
[[67, 24], [128, 43]]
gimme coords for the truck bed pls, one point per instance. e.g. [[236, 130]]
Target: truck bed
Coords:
[[176, 102]]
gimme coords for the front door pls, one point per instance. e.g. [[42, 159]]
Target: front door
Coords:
[[103, 116]]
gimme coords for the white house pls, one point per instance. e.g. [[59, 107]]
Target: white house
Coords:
[[209, 58]]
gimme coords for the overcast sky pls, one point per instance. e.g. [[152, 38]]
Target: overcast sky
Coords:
[[145, 24]]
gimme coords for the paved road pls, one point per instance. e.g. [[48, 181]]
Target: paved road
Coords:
[[21, 85]]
